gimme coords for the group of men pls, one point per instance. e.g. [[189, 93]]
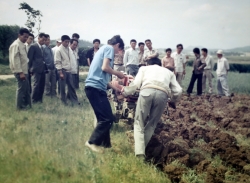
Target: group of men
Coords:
[[46, 66], [158, 80]]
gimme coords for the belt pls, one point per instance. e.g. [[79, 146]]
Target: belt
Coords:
[[156, 87]]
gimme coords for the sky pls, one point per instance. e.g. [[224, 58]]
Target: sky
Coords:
[[221, 24]]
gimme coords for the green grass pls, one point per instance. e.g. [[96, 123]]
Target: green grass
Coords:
[[46, 144], [5, 69]]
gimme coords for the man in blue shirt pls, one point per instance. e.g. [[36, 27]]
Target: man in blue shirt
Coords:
[[50, 78], [96, 85]]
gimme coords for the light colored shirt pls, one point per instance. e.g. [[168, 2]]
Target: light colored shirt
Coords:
[[141, 58], [74, 65], [18, 57], [27, 46], [179, 60], [148, 52], [131, 57], [63, 58], [154, 76], [97, 78], [167, 62], [222, 66], [209, 62], [54, 49]]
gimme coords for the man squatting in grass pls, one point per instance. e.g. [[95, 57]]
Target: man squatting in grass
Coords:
[[156, 85], [98, 80], [19, 66]]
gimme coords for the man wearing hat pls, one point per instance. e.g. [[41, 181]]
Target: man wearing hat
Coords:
[[222, 70], [58, 43]]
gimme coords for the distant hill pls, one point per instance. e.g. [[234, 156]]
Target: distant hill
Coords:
[[240, 49]]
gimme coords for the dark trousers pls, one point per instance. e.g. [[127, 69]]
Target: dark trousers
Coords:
[[23, 92], [199, 83], [75, 81], [105, 118], [38, 87], [71, 93], [29, 78], [50, 83]]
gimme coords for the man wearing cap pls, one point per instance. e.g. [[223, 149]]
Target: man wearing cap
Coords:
[[222, 70], [58, 43], [180, 63]]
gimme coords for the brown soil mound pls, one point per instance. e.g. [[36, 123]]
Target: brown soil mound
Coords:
[[207, 134]]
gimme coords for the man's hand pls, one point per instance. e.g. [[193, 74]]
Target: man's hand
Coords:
[[172, 105], [61, 76], [184, 72], [22, 76], [120, 75]]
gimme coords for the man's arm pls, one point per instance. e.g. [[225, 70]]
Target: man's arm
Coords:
[[31, 57], [176, 89], [156, 54], [136, 84], [226, 65], [58, 63], [106, 68], [88, 59]]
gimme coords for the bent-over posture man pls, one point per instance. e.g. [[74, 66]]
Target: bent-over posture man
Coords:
[[19, 66], [64, 62], [156, 86], [37, 68], [96, 85]]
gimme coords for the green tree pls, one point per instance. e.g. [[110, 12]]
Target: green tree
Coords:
[[8, 33], [34, 17]]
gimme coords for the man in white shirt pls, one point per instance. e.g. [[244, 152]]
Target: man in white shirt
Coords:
[[156, 85], [58, 43], [63, 63], [150, 52], [131, 59], [74, 66], [207, 74], [19, 66], [222, 70], [180, 63]]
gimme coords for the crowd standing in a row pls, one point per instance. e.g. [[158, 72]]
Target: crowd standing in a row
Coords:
[[158, 80]]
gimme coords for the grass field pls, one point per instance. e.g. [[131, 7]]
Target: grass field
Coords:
[[46, 143]]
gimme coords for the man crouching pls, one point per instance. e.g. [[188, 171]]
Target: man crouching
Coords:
[[156, 84]]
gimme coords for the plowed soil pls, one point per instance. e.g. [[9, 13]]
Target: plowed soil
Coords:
[[208, 134]]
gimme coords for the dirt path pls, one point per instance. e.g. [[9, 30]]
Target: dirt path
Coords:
[[3, 77]]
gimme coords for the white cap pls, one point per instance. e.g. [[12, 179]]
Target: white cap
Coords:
[[220, 52], [59, 40]]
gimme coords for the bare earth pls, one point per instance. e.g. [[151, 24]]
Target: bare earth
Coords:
[[3, 77]]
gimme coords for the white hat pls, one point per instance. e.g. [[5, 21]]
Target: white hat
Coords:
[[59, 40], [220, 52]]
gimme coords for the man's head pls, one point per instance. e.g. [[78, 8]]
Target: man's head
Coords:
[[58, 42], [148, 44], [117, 43], [141, 46], [30, 39], [75, 36], [219, 53], [154, 61], [133, 43], [47, 40], [23, 34], [179, 48], [41, 38], [196, 51], [73, 44], [96, 43], [65, 40], [204, 52], [168, 52]]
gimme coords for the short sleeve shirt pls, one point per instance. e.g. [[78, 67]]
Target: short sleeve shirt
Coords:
[[179, 60], [97, 78]]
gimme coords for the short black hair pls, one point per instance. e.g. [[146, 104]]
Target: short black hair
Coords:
[[140, 43], [65, 37], [23, 31], [133, 41], [168, 49], [154, 61], [196, 50], [117, 39], [147, 40], [72, 40], [32, 35], [42, 35], [76, 35], [47, 36], [179, 45], [204, 49], [97, 40]]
